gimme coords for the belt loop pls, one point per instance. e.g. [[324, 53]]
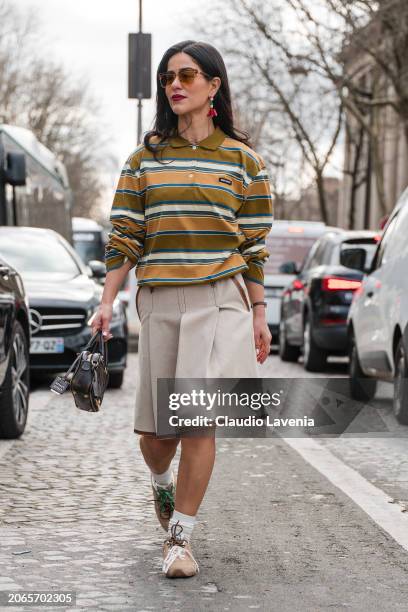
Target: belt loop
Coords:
[[214, 291], [181, 299]]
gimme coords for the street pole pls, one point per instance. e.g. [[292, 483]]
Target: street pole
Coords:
[[139, 102]]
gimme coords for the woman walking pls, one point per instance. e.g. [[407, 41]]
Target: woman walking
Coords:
[[191, 212]]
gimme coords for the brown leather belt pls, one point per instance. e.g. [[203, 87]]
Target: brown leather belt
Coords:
[[242, 292]]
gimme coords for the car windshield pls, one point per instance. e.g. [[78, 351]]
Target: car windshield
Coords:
[[32, 255], [89, 245], [289, 247]]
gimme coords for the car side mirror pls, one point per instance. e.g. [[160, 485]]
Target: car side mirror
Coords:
[[15, 172], [354, 258], [97, 268], [289, 267]]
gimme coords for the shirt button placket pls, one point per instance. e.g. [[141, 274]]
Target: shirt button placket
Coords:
[[191, 175]]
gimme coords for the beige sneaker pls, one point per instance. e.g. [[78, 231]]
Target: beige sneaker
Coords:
[[163, 498], [178, 560]]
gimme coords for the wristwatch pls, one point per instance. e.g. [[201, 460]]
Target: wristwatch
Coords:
[[259, 303]]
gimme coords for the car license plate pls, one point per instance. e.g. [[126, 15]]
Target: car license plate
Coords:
[[47, 345]]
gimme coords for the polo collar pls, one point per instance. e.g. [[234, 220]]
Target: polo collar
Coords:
[[212, 142]]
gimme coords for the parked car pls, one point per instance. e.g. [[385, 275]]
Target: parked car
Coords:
[[89, 239], [315, 305], [378, 318], [14, 357], [286, 240], [62, 298]]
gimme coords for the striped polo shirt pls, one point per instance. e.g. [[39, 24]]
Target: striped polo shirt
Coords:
[[200, 215]]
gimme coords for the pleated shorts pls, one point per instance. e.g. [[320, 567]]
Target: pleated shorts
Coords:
[[193, 331]]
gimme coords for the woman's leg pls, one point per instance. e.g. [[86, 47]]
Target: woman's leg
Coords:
[[158, 453], [194, 472]]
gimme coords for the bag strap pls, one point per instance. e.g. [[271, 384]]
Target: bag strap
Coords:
[[97, 341]]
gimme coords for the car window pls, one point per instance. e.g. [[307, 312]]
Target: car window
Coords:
[[317, 258], [309, 257], [286, 247], [398, 245], [369, 247], [385, 244], [45, 255]]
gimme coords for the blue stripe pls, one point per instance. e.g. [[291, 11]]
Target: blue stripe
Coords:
[[182, 260], [191, 233], [188, 251], [210, 204], [194, 213], [194, 280], [193, 185]]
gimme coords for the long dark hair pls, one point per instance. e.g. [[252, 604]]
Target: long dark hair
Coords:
[[210, 62]]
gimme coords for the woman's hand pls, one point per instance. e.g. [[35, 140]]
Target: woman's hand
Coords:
[[101, 320], [263, 336]]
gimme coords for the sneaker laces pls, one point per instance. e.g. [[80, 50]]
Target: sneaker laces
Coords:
[[178, 548], [165, 499]]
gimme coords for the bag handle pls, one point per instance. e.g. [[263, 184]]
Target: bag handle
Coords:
[[97, 340]]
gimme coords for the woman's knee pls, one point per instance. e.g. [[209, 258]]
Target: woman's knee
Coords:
[[197, 444], [159, 444]]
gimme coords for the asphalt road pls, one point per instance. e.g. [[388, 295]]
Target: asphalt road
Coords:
[[286, 525]]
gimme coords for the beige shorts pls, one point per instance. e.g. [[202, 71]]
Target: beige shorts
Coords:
[[193, 331]]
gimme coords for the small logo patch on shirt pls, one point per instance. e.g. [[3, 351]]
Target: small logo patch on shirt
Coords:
[[225, 180]]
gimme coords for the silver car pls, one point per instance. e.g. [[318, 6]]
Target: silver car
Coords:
[[288, 241]]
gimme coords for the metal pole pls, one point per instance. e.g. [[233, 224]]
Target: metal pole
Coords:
[[139, 102]]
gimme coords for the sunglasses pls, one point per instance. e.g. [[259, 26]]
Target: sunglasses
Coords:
[[185, 75]]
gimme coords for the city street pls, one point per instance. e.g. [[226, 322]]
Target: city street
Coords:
[[287, 525]]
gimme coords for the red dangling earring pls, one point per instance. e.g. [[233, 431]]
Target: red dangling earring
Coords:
[[212, 112]]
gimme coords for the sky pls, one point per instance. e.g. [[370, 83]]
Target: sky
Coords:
[[90, 37]]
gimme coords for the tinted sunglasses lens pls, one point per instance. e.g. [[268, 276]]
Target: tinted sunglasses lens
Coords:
[[166, 78], [187, 75]]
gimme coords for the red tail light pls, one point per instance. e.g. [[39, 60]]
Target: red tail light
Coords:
[[297, 284], [333, 283], [328, 321]]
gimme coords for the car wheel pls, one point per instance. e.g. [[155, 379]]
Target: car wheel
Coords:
[[16, 388], [287, 352], [400, 401], [115, 380], [314, 358], [362, 387]]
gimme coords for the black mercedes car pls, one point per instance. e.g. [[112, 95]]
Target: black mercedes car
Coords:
[[62, 298], [14, 359], [315, 305]]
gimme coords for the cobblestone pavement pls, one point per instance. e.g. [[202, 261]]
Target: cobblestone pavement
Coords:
[[273, 534]]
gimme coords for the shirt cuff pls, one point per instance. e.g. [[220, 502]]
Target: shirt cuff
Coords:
[[255, 272]]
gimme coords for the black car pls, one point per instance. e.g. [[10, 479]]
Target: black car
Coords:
[[315, 305], [14, 357], [62, 299]]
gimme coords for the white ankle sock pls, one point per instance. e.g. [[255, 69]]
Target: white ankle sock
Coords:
[[184, 525], [163, 480]]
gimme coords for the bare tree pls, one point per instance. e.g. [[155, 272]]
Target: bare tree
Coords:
[[361, 47], [42, 96], [260, 45]]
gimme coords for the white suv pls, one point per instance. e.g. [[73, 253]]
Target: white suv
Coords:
[[378, 317]]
